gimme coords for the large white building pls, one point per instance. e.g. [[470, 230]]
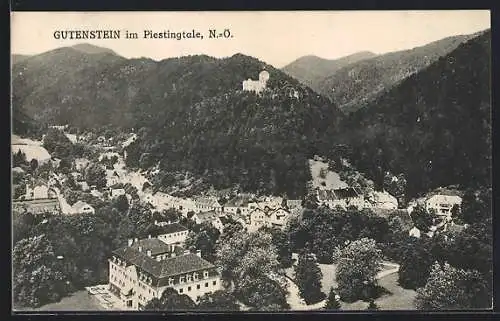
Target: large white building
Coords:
[[256, 85], [143, 269]]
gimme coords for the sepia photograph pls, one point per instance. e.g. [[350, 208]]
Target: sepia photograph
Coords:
[[251, 161]]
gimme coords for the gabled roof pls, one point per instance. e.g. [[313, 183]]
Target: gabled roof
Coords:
[[206, 201], [445, 199], [172, 228], [80, 205], [207, 216]]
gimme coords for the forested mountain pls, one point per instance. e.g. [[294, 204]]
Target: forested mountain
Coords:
[[435, 127], [17, 58], [311, 70], [190, 113], [357, 84]]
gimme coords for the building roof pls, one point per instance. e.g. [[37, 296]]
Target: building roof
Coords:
[[207, 201], [337, 194], [40, 203], [172, 228], [161, 269], [153, 244], [78, 206], [207, 216], [449, 199]]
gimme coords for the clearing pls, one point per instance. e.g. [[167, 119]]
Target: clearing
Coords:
[[331, 179]]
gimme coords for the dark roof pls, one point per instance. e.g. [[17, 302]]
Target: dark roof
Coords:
[[172, 228], [207, 216], [346, 193], [153, 244], [337, 194], [161, 269]]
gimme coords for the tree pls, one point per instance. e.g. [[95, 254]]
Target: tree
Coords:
[[33, 164], [19, 159], [218, 301], [416, 260], [170, 300], [372, 305], [121, 203], [95, 174], [308, 278], [421, 218], [262, 293], [333, 301], [449, 288], [37, 274], [204, 238], [357, 269]]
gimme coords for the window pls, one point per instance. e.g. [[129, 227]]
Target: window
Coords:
[[181, 279], [181, 290], [206, 285], [198, 286], [195, 276], [205, 274], [215, 282], [189, 278], [189, 288], [170, 281]]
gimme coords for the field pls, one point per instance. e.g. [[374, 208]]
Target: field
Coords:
[[331, 180], [78, 301]]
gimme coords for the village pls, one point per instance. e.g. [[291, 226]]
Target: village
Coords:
[[144, 268]]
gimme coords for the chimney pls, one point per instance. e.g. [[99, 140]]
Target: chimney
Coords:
[[198, 253], [130, 242], [136, 240], [148, 252], [140, 248]]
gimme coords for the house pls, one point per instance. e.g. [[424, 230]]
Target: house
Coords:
[[83, 185], [39, 191], [81, 164], [292, 204], [173, 233], [207, 204], [442, 204], [37, 206], [115, 192], [343, 197], [237, 205], [268, 217], [211, 217], [143, 269], [82, 208], [256, 86]]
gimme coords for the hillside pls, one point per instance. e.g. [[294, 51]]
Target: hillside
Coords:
[[190, 113], [435, 126], [357, 84], [17, 58], [311, 70], [91, 49]]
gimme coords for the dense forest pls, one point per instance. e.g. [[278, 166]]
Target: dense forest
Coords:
[[435, 127], [312, 70], [356, 85]]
